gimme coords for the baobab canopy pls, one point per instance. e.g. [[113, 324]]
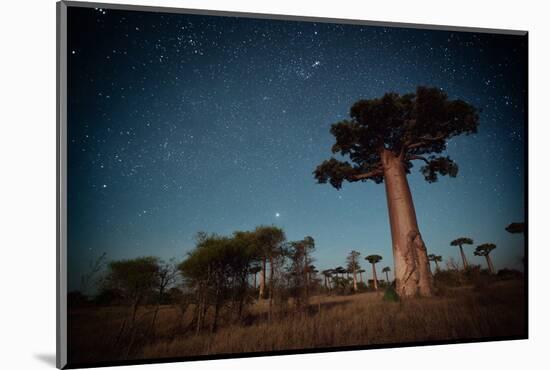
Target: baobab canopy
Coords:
[[412, 126]]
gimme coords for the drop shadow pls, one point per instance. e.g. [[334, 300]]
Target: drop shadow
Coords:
[[47, 358]]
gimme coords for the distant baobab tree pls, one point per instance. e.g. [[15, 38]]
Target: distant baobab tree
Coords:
[[254, 271], [386, 270], [353, 266], [460, 242], [326, 276], [382, 139], [269, 240], [340, 270], [516, 228], [436, 260], [374, 259], [361, 275], [484, 250]]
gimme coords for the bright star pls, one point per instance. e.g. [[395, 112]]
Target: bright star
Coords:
[[277, 214]]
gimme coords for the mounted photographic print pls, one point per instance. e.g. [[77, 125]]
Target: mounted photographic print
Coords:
[[236, 185]]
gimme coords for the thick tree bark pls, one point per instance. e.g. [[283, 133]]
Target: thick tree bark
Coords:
[[436, 266], [464, 260], [387, 278], [361, 276], [411, 270], [354, 280], [374, 277]]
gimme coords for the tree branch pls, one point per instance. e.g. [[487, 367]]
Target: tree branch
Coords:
[[422, 142], [366, 175], [417, 157]]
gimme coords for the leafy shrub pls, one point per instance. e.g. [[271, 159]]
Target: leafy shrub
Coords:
[[390, 295]]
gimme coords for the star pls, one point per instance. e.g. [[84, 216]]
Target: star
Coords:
[[277, 215]]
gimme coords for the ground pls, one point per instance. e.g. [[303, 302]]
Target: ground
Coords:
[[463, 313]]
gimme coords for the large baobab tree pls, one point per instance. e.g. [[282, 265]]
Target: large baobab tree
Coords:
[[382, 139], [353, 266], [373, 260], [459, 243], [386, 270], [435, 259], [484, 250]]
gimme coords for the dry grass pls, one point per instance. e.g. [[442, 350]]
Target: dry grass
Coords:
[[362, 319]]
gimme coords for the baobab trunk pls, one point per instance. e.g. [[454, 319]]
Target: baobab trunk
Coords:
[[354, 281], [490, 264], [411, 265], [436, 266], [374, 277], [387, 278], [361, 276], [262, 279], [464, 260]]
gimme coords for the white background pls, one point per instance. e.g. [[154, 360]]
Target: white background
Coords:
[[27, 182]]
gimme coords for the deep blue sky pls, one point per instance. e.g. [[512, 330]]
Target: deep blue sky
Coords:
[[185, 123]]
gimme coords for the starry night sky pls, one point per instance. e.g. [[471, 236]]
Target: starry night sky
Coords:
[[186, 123]]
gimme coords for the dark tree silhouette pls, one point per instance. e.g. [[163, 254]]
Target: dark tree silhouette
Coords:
[[382, 138], [386, 270], [459, 243], [484, 250], [374, 259], [436, 260], [301, 269], [136, 280], [516, 228]]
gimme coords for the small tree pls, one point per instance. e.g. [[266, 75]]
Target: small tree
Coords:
[[300, 269], [484, 250], [374, 259], [387, 270], [167, 275], [460, 242], [436, 260], [382, 139], [217, 270], [136, 279]]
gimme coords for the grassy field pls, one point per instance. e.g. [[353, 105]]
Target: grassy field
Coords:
[[496, 310]]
